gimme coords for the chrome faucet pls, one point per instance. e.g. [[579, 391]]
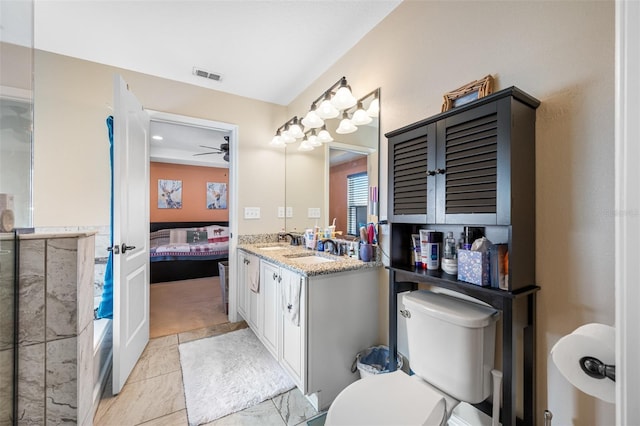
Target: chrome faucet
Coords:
[[335, 248], [295, 239]]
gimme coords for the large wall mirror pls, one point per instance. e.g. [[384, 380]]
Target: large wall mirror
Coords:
[[336, 180]]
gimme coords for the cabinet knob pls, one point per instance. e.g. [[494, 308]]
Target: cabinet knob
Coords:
[[275, 276], [440, 171], [431, 172]]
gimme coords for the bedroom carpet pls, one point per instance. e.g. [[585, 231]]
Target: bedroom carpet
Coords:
[[180, 306], [228, 373]]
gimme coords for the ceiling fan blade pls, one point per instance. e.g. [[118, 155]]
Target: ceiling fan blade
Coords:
[[210, 147], [206, 153]]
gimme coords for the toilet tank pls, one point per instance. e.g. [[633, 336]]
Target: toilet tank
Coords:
[[451, 343]]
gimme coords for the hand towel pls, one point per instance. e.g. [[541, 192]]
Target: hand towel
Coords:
[[253, 272], [291, 286]]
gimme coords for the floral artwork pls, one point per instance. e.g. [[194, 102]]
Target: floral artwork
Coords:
[[216, 195], [169, 194]]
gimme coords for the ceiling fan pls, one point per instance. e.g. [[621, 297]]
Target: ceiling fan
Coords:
[[224, 149]]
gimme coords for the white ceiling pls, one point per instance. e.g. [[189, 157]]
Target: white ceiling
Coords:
[[269, 50]]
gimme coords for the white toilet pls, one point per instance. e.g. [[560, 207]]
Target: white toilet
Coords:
[[451, 351]]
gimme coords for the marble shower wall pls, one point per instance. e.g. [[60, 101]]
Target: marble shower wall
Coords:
[[56, 284]]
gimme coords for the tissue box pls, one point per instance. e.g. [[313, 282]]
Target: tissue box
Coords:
[[473, 267]]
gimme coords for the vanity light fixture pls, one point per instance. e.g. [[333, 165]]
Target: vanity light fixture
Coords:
[[336, 99]]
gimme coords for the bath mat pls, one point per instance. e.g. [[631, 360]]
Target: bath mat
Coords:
[[228, 373]]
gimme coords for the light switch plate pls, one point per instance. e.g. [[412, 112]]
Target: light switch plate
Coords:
[[314, 213], [280, 212], [289, 211], [252, 212]]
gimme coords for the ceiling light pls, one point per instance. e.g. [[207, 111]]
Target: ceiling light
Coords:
[[346, 126], [360, 117], [343, 99], [157, 137]]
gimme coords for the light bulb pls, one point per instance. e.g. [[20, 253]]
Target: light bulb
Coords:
[[312, 120], [346, 126], [374, 108], [277, 141], [287, 137], [360, 117], [324, 136], [343, 98], [326, 110], [313, 140], [304, 146], [295, 130]]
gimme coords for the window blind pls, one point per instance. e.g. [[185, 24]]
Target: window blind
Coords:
[[357, 198]]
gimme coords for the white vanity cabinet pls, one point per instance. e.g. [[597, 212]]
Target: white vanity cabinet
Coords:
[[249, 305], [243, 280], [338, 318], [271, 318], [294, 342]]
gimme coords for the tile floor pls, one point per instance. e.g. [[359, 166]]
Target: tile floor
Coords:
[[154, 393]]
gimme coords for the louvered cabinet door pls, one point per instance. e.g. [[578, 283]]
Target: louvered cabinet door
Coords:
[[472, 179], [411, 194]]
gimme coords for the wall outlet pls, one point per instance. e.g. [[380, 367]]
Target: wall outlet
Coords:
[[289, 211], [314, 213], [280, 212], [252, 212]]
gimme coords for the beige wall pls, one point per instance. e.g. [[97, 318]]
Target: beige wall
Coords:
[[563, 54], [71, 153], [560, 52]]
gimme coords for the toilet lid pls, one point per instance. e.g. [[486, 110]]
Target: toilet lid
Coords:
[[387, 399]]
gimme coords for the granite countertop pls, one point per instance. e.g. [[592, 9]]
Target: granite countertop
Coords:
[[290, 257]]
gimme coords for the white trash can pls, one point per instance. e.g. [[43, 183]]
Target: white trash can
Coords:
[[374, 360]]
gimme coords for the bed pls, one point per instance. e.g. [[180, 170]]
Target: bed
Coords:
[[187, 250]]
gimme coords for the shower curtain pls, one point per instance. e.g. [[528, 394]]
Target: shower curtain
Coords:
[[105, 309]]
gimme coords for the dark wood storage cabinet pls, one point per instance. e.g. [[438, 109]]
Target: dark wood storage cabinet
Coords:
[[473, 165]]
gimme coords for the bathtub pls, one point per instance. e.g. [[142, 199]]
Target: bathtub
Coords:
[[102, 356]]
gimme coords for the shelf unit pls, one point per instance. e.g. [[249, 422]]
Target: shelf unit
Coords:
[[473, 165]]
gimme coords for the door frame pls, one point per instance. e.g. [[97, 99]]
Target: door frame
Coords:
[[627, 208], [233, 185]]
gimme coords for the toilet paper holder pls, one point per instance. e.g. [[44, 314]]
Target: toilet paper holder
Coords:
[[597, 369]]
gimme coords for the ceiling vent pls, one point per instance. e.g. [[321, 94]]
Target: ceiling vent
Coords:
[[206, 74]]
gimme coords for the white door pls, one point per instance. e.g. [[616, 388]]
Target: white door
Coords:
[[130, 232]]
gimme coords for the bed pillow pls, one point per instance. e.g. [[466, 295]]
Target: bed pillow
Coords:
[[217, 233], [159, 238]]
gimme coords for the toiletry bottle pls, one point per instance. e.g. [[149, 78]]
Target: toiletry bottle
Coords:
[[449, 246], [461, 241]]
